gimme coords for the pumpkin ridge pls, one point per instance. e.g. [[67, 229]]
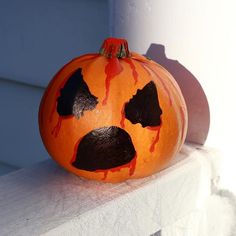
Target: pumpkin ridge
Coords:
[[183, 120]]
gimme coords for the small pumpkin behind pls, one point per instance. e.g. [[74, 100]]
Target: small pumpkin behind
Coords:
[[113, 115]]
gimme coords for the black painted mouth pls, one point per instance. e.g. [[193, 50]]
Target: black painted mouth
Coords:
[[104, 148]]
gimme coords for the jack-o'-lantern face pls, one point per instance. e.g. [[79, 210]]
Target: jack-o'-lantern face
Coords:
[[112, 116]]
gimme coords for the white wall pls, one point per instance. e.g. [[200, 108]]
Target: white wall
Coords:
[[201, 35]]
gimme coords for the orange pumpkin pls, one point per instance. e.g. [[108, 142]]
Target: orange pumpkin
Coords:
[[113, 115]]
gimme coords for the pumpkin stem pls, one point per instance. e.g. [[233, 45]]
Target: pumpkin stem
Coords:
[[113, 47]]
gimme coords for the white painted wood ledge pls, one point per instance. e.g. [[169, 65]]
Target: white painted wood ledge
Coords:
[[47, 200]]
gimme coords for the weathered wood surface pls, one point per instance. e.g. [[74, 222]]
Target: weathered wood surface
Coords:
[[47, 200]]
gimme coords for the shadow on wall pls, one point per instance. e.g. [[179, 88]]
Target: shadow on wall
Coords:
[[195, 98]]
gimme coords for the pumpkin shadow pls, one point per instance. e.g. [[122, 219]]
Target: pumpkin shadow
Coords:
[[195, 98]]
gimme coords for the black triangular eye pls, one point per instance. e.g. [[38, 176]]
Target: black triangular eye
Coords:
[[75, 97], [144, 107]]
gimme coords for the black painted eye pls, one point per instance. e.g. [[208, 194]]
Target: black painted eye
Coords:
[[75, 97], [104, 148], [144, 107]]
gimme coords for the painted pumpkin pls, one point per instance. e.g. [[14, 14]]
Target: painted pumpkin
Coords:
[[113, 115]]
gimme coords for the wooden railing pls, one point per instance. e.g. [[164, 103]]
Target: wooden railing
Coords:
[[47, 200]]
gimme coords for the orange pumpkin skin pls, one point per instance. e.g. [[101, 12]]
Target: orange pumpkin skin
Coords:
[[113, 78]]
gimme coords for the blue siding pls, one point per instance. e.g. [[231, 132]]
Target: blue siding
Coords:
[[20, 142], [38, 37]]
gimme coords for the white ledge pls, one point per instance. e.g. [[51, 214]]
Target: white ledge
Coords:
[[47, 200]]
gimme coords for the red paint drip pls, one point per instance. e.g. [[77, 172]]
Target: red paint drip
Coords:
[[114, 49], [75, 151], [105, 174], [112, 69], [131, 165], [134, 72], [122, 121], [147, 68], [156, 139], [56, 129]]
